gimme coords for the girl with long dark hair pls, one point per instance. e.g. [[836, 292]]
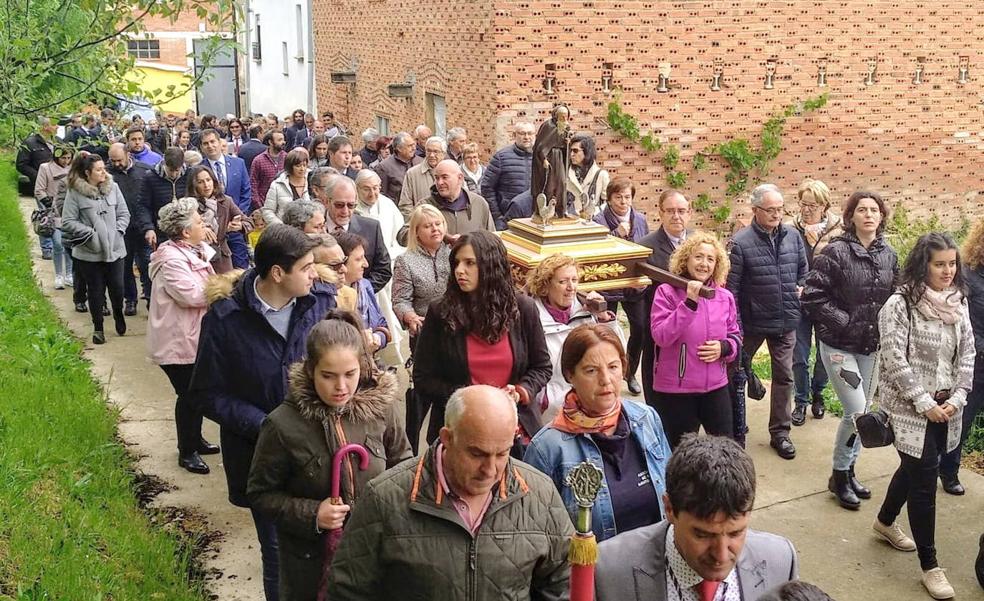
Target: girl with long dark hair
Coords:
[[481, 332], [927, 367]]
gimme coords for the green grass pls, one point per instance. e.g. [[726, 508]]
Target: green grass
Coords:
[[70, 526], [762, 366]]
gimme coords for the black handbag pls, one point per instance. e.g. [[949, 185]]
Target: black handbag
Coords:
[[756, 389], [874, 428]]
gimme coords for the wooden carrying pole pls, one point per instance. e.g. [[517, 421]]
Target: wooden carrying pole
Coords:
[[661, 276]]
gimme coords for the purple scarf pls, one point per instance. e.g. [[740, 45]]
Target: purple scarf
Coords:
[[559, 315]]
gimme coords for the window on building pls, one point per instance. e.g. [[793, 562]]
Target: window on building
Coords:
[[150, 49], [383, 125], [436, 113], [299, 19], [257, 42], [283, 47]]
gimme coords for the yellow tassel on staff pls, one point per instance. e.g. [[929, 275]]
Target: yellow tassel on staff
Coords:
[[584, 550]]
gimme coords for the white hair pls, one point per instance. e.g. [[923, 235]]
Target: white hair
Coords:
[[336, 183], [437, 140], [458, 403], [456, 133], [297, 214], [176, 216], [366, 175], [758, 194], [369, 135]]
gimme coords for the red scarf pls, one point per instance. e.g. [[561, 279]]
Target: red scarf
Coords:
[[573, 420]]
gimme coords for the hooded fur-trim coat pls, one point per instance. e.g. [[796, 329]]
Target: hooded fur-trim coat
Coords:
[[95, 218], [292, 466]]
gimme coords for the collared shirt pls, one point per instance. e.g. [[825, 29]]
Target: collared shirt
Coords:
[[676, 241], [682, 580], [220, 172], [279, 319], [335, 227], [457, 502]]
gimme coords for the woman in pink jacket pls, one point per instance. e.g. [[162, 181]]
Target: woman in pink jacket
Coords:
[[179, 269], [695, 340]]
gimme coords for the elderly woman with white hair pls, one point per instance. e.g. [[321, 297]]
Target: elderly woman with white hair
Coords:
[[179, 269], [305, 215]]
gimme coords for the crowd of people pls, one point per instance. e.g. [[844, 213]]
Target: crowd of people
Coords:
[[277, 261]]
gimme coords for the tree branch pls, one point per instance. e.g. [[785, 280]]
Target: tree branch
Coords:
[[78, 45]]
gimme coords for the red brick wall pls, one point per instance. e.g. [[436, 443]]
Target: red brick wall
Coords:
[[916, 144], [445, 44]]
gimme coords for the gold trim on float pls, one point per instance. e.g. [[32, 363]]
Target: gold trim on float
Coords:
[[613, 284]]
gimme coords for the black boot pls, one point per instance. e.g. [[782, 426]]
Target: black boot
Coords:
[[817, 406], [839, 484], [951, 484], [120, 322], [859, 489]]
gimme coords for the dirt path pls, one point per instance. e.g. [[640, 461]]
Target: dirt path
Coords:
[[146, 403]]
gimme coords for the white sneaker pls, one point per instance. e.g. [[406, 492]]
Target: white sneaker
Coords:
[[894, 535], [70, 281], [937, 585], [59, 282]]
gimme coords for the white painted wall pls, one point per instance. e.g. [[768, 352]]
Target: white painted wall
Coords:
[[283, 79]]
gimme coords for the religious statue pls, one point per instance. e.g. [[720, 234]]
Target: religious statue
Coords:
[[551, 160]]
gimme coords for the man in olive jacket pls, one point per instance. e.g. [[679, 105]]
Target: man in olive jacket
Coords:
[[460, 521]]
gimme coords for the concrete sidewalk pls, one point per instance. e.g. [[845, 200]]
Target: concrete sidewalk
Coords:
[[837, 549]]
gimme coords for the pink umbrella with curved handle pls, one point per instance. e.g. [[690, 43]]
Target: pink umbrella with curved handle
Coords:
[[335, 535]]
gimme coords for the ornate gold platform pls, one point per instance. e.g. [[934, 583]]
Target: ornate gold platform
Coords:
[[607, 262]]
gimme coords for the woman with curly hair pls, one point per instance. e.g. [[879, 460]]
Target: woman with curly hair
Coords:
[[481, 332], [695, 339], [973, 272], [553, 286], [927, 369]]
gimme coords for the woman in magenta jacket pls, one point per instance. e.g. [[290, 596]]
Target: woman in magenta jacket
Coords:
[[695, 340]]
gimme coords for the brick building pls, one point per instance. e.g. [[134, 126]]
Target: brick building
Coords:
[[482, 65]]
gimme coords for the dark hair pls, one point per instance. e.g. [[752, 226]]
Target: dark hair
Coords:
[[208, 132], [339, 328], [590, 154], [383, 142], [294, 158], [912, 278], [708, 475], [852, 205], [255, 131], [217, 191], [492, 308], [81, 167], [135, 129], [349, 241], [617, 185], [318, 139], [210, 119], [174, 157], [795, 590], [337, 143], [281, 245], [582, 339], [294, 114]]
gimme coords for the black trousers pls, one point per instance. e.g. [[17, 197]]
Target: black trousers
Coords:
[[914, 485], [138, 251], [686, 412], [100, 276], [637, 312], [187, 418]]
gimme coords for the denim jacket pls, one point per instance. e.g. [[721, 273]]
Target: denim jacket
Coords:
[[556, 453]]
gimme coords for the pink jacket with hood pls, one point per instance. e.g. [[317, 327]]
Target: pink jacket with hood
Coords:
[[177, 302]]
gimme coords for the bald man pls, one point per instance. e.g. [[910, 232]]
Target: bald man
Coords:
[[129, 174], [464, 210], [464, 497]]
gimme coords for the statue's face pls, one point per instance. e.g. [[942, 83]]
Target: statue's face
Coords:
[[561, 115]]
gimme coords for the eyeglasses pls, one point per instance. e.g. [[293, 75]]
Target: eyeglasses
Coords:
[[338, 265], [343, 205], [808, 206], [675, 211], [771, 211]]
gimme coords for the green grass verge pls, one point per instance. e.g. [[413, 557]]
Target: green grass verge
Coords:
[[70, 526]]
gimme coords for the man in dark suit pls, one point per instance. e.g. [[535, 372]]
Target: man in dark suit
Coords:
[[674, 215], [253, 147], [338, 194], [231, 173], [703, 549]]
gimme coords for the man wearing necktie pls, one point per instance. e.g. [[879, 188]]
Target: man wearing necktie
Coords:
[[704, 550], [231, 173]]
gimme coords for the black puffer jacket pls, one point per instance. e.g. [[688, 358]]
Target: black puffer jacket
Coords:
[[764, 277], [506, 176], [846, 289], [974, 277], [158, 190]]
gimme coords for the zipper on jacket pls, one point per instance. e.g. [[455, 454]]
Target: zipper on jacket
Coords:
[[473, 566], [682, 362]]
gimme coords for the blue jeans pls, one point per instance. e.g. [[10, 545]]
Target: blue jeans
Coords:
[[137, 250], [854, 380], [266, 533], [805, 387], [950, 462], [61, 256]]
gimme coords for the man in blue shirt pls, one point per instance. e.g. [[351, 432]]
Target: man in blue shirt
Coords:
[[139, 149]]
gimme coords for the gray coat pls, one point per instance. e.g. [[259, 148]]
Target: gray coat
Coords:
[[97, 215], [633, 565]]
